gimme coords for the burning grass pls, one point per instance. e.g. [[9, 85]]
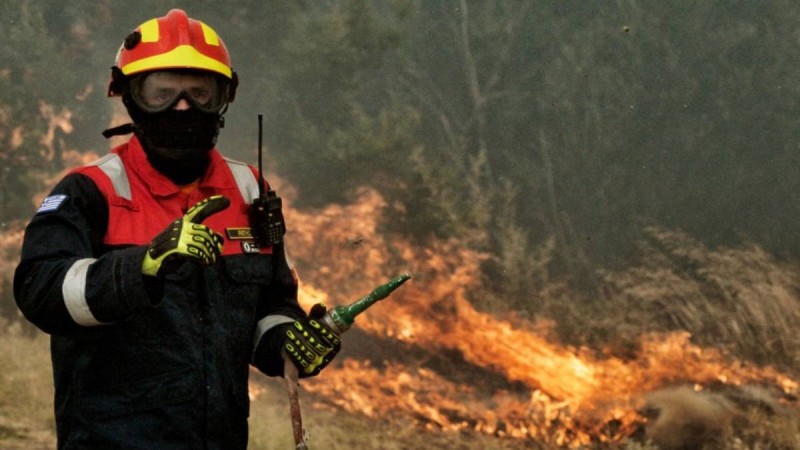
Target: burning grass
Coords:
[[691, 347], [528, 386]]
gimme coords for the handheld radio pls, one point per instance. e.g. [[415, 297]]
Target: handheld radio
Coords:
[[266, 214]]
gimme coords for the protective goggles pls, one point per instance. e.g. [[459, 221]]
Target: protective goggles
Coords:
[[159, 91]]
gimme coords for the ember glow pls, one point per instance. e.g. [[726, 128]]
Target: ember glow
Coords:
[[504, 378]]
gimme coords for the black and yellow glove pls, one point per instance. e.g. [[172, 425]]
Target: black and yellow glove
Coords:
[[310, 344], [186, 239]]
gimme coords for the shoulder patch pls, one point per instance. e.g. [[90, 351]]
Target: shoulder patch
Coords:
[[51, 203]]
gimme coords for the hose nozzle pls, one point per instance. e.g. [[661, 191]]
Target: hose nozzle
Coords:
[[341, 318]]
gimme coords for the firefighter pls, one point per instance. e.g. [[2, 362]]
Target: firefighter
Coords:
[[143, 268]]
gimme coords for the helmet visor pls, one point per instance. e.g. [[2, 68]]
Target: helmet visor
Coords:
[[158, 91]]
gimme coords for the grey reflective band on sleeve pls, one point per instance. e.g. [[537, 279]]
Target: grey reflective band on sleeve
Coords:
[[266, 324], [245, 180], [74, 292], [112, 166]]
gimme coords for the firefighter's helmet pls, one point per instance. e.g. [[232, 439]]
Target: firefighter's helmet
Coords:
[[172, 42]]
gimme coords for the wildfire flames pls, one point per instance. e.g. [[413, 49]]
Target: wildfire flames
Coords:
[[426, 355], [497, 375]]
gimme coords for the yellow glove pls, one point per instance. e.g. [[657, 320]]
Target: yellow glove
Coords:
[[310, 344], [186, 239]]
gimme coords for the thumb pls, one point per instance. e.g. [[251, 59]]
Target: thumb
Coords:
[[205, 208]]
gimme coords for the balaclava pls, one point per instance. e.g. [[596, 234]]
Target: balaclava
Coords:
[[178, 143]]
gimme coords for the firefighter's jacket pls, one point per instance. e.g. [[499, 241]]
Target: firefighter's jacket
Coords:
[[138, 362]]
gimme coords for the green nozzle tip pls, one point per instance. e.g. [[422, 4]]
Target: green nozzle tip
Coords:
[[349, 313]]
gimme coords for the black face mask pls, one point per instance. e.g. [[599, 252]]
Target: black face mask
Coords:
[[177, 143]]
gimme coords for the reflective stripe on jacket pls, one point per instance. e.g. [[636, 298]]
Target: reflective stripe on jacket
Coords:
[[142, 202]]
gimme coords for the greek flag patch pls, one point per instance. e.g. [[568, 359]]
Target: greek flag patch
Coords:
[[51, 203]]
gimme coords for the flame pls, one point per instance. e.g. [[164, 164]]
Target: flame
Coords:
[[516, 383], [504, 378]]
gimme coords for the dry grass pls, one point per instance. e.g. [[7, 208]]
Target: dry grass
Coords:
[[270, 429], [740, 300], [26, 412], [26, 390], [731, 418]]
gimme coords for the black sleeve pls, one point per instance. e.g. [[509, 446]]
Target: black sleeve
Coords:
[[267, 355], [65, 235]]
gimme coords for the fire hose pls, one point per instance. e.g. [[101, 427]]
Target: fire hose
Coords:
[[339, 319]]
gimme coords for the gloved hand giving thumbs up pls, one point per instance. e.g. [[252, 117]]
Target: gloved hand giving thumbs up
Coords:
[[186, 239]]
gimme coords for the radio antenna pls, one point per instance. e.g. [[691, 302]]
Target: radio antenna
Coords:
[[265, 213], [260, 157]]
